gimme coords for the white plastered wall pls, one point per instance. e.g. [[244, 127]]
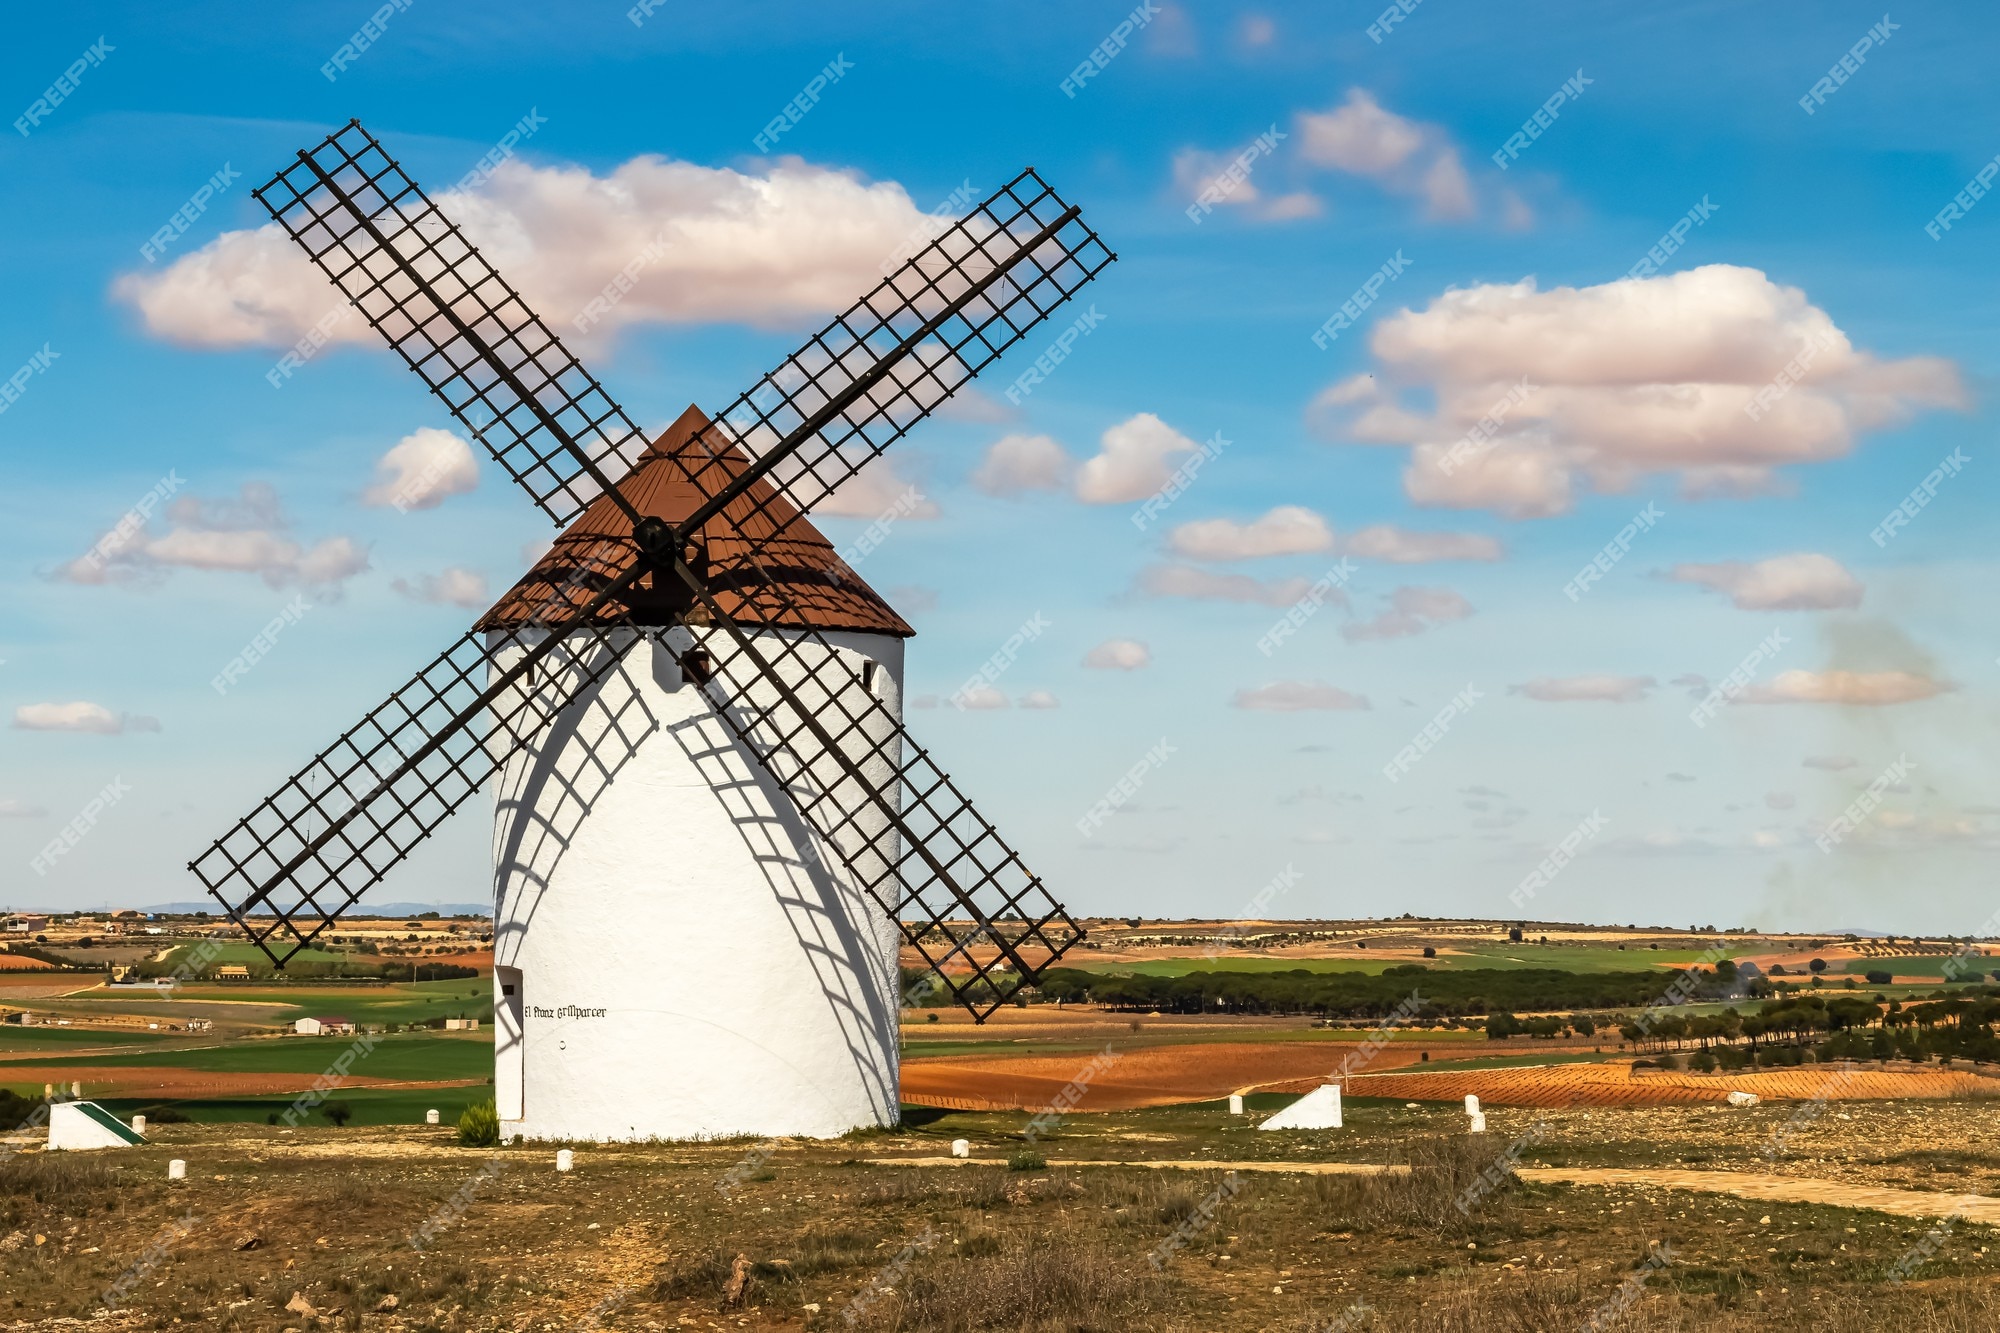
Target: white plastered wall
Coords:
[[686, 962]]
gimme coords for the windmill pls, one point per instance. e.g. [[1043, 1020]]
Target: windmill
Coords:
[[712, 833]]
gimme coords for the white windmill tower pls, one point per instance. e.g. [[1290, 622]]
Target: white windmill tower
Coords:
[[712, 832]]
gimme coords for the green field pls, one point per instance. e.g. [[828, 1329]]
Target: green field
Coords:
[[364, 1002], [39, 1040], [414, 1056], [1569, 958], [371, 1106]]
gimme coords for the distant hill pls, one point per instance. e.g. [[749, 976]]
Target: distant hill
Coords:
[[365, 909]]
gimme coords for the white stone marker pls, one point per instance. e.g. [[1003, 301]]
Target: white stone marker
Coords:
[[961, 1148], [430, 1117], [1743, 1099], [1472, 1103], [177, 1169], [565, 1159], [1318, 1109], [1236, 1103], [1478, 1125], [138, 1124], [76, 1089]]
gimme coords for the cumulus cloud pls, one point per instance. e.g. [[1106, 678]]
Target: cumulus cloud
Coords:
[[233, 534], [13, 807], [1520, 398], [455, 586], [1586, 689], [1411, 611], [980, 697], [1399, 546], [1196, 169], [421, 470], [1040, 699], [1802, 582], [1286, 530], [769, 247], [1297, 696], [80, 716], [878, 491], [1206, 585], [1134, 459], [1016, 464], [1118, 655], [1363, 138], [1872, 688]]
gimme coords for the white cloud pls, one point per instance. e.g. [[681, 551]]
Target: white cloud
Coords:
[[878, 491], [1286, 530], [769, 248], [1196, 169], [1118, 655], [1134, 459], [981, 697], [913, 598], [1015, 464], [1845, 687], [13, 807], [231, 534], [1040, 699], [1204, 585], [458, 587], [1257, 29], [79, 716], [1297, 696], [1411, 611], [1363, 138], [1629, 379], [1399, 546], [1587, 689], [421, 470], [1801, 582]]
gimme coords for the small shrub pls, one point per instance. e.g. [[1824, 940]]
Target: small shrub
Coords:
[[1027, 1160], [479, 1126], [162, 1115], [337, 1113]]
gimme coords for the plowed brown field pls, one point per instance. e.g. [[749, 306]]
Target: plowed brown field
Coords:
[[13, 962], [1147, 1076], [1617, 1085]]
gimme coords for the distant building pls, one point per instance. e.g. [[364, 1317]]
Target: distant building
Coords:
[[460, 1024], [326, 1025], [25, 925], [232, 972]]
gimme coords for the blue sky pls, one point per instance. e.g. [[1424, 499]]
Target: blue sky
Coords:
[[1816, 240]]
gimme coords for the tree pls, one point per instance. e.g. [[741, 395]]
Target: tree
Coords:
[[337, 1113], [1818, 965], [1514, 934], [1430, 951], [1584, 1025], [1877, 977]]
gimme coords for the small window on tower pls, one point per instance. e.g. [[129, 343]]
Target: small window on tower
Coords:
[[868, 676], [507, 990]]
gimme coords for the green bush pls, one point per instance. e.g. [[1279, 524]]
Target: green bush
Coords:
[[479, 1127], [1027, 1160]]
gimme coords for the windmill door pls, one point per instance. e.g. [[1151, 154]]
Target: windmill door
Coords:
[[509, 1042]]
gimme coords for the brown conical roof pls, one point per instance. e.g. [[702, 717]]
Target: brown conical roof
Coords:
[[823, 591]]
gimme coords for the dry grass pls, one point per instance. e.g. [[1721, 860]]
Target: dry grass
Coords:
[[55, 1178], [1028, 1284]]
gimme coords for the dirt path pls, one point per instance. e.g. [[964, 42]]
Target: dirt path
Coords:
[[1765, 1189]]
